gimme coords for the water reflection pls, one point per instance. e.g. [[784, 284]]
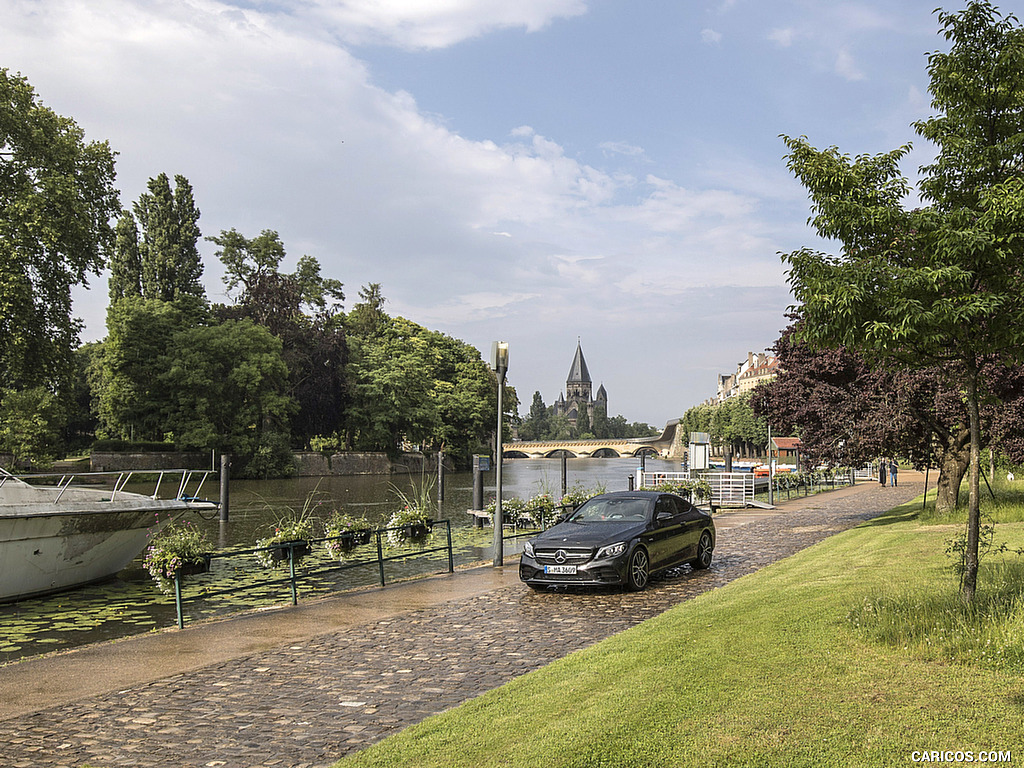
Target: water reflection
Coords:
[[131, 603]]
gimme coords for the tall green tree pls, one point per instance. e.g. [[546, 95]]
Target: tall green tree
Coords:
[[253, 276], [391, 383], [936, 286], [600, 426], [302, 309], [127, 374], [411, 384], [57, 199], [367, 317], [583, 423], [537, 423], [225, 388], [157, 254]]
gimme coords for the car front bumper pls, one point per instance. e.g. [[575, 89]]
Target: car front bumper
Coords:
[[592, 573]]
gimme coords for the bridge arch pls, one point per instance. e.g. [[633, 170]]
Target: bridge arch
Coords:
[[646, 450], [559, 452]]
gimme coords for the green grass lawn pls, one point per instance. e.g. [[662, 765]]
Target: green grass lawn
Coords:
[[846, 654]]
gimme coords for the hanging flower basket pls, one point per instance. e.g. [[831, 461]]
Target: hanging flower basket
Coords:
[[343, 533], [289, 535], [179, 551], [409, 525]]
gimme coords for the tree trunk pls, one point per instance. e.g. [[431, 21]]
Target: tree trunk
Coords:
[[970, 579], [953, 466]]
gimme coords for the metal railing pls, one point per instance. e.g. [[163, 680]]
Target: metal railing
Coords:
[[809, 483], [728, 489], [298, 550], [521, 529]]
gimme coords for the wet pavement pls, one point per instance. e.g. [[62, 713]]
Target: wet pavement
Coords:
[[302, 687]]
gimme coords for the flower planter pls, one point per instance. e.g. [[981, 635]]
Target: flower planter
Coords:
[[361, 537], [196, 567], [353, 539], [279, 552], [415, 531]]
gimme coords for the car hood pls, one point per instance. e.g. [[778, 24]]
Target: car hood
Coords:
[[589, 534]]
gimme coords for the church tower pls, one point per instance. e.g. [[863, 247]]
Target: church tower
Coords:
[[579, 390]]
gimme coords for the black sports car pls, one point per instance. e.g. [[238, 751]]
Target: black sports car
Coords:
[[619, 538]]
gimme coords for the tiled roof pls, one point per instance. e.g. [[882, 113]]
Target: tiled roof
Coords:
[[786, 443]]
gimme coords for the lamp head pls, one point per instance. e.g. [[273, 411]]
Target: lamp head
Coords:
[[499, 356]]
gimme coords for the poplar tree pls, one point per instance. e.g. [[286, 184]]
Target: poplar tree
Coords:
[[157, 254]]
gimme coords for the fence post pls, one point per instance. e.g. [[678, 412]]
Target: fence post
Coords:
[[225, 473], [380, 558], [451, 556], [177, 599], [440, 476], [291, 570]]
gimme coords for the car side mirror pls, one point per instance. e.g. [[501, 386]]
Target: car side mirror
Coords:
[[662, 517]]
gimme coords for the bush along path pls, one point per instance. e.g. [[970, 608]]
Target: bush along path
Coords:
[[309, 704]]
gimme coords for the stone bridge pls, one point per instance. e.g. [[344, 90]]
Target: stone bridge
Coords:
[[670, 444]]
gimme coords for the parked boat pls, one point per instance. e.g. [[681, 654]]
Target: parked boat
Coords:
[[55, 537]]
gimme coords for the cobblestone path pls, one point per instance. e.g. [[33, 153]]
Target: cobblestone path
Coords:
[[308, 705]]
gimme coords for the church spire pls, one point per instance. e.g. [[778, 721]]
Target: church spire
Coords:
[[578, 373]]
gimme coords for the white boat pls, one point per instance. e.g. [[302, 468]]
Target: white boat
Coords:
[[54, 538]]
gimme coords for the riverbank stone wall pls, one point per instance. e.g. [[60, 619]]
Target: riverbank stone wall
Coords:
[[355, 463], [103, 461], [307, 463]]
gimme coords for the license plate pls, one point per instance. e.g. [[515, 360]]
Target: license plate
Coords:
[[560, 570]]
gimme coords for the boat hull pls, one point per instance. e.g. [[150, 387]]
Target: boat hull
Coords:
[[51, 541]]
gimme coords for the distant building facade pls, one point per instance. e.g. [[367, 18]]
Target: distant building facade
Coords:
[[749, 373], [578, 397]]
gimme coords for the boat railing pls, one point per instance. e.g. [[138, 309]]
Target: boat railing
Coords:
[[119, 480]]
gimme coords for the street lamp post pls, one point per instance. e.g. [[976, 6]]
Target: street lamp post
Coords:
[[499, 363]]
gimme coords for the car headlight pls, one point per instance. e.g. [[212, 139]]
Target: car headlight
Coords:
[[528, 549], [612, 550]]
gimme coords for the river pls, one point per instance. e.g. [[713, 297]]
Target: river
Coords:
[[131, 603]]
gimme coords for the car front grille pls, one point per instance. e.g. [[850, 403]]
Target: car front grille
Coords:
[[569, 555]]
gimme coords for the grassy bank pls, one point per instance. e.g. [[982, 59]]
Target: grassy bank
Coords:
[[784, 667]]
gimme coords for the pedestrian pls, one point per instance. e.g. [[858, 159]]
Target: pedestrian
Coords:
[[893, 470], [882, 471]]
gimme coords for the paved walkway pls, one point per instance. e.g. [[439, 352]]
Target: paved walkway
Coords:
[[302, 687]]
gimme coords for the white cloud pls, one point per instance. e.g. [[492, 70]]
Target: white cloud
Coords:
[[846, 66], [782, 37], [437, 23], [710, 36], [622, 148]]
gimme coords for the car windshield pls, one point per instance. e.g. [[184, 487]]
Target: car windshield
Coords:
[[598, 510]]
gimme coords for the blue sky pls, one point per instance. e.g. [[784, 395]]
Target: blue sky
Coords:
[[535, 172]]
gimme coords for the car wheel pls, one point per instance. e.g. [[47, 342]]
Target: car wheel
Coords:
[[639, 571], [704, 553]]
